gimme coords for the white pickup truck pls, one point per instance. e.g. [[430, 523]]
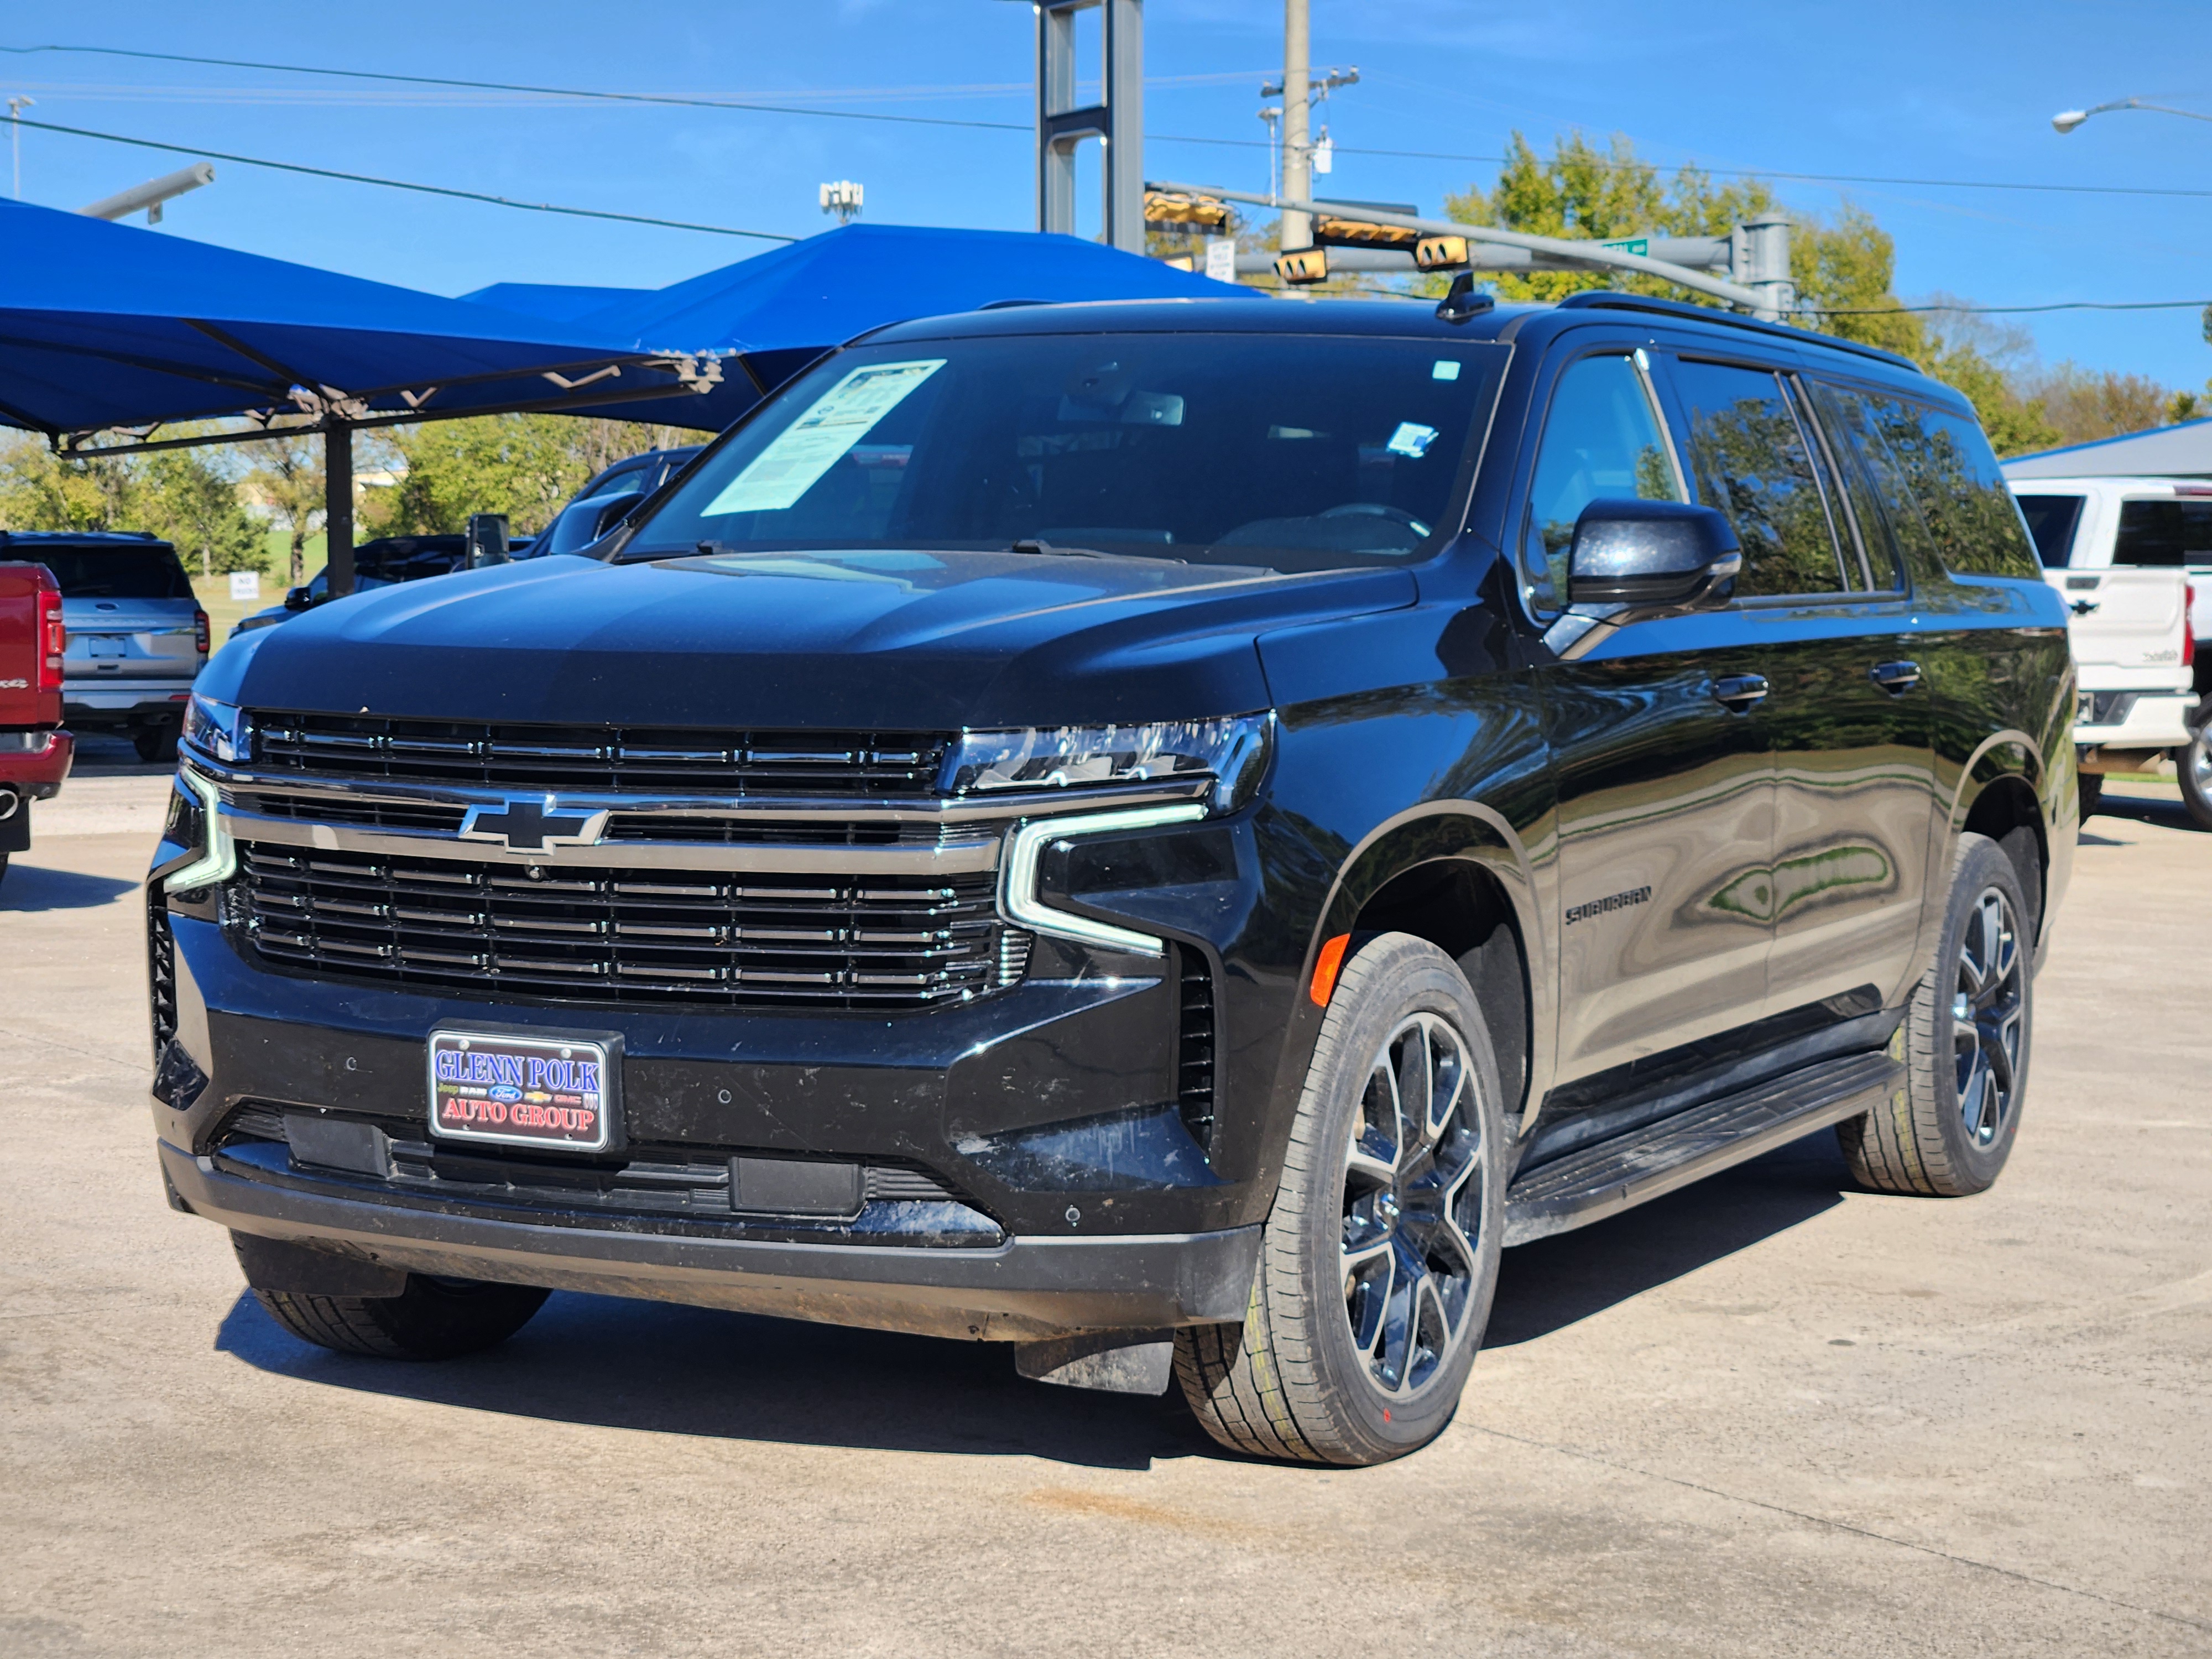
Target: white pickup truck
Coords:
[[2134, 558]]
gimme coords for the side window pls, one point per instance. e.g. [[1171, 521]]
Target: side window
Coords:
[[1858, 457], [2169, 532], [2051, 524], [1752, 463], [1972, 525], [1602, 441]]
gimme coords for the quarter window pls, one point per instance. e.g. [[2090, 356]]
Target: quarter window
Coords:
[[1602, 441], [1752, 463], [1968, 518]]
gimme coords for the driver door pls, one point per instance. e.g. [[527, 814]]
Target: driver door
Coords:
[[1666, 791]]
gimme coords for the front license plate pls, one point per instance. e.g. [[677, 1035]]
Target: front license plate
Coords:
[[556, 1092]]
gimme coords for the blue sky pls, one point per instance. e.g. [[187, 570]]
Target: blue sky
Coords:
[[1944, 92]]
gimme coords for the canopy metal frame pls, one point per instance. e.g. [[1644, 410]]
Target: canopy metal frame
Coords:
[[337, 414]]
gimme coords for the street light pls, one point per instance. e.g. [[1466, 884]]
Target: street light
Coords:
[[2066, 119]]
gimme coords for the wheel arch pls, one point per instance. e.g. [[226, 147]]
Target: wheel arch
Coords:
[[2000, 790], [1456, 874]]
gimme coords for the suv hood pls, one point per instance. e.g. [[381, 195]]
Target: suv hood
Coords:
[[877, 640]]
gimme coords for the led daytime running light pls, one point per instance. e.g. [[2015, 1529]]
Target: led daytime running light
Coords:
[[1018, 876], [218, 861]]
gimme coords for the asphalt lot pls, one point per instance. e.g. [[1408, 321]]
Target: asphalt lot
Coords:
[[1767, 1415]]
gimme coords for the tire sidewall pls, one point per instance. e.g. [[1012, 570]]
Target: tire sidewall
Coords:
[[1982, 866], [1389, 979]]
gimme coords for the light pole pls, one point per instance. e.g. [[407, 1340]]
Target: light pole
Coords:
[[16, 106], [2066, 119]]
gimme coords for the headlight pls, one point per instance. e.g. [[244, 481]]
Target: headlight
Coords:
[[1231, 750], [219, 729]]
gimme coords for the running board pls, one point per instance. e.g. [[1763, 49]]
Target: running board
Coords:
[[1617, 1174]]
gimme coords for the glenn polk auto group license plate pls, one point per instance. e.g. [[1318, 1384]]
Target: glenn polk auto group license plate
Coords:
[[555, 1092]]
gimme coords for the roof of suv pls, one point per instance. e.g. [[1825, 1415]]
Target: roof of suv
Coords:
[[1417, 319], [87, 538]]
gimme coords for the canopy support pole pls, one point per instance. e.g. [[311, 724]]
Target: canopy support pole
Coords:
[[338, 506]]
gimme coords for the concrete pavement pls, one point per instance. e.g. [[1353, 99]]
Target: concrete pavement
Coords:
[[1767, 1415]]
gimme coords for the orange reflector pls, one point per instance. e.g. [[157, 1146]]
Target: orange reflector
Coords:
[[1325, 970]]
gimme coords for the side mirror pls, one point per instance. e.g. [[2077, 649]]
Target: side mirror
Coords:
[[613, 514], [298, 598], [1636, 560]]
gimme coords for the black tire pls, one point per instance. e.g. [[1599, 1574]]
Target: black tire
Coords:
[[155, 743], [1948, 1131], [431, 1319], [1353, 1238], [2092, 791], [2192, 762]]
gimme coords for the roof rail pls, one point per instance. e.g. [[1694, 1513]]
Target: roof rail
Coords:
[[1611, 299]]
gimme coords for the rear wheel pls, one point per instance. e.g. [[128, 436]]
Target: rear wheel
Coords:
[[155, 743], [2192, 762], [1948, 1131], [431, 1319], [2092, 791], [1380, 1259]]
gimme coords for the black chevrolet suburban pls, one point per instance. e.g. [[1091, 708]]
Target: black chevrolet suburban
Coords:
[[1162, 834]]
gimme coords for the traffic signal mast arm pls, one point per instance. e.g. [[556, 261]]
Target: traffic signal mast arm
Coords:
[[1770, 297]]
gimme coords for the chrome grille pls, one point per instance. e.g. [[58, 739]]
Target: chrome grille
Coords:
[[632, 758], [565, 933]]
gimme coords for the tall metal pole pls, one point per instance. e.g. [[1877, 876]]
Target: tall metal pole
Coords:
[[338, 506], [1123, 163], [1297, 152], [16, 106]]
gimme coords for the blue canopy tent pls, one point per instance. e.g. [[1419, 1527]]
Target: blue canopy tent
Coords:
[[770, 315], [111, 333]]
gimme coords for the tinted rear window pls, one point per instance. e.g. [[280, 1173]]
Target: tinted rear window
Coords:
[[2164, 532], [2051, 521], [1948, 471], [114, 573]]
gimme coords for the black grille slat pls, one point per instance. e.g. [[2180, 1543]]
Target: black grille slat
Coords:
[[162, 971], [733, 942], [486, 754]]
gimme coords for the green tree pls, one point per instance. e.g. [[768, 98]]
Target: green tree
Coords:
[[527, 467], [188, 497], [286, 479], [1844, 269]]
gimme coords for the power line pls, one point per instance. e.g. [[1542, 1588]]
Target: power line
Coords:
[[2008, 311], [402, 184], [557, 92], [676, 101]]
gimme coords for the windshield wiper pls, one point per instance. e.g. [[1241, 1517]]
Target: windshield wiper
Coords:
[[1032, 544]]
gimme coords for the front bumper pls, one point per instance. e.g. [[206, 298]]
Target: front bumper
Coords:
[[1024, 1288]]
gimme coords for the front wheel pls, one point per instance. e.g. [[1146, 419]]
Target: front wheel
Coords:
[[1949, 1130], [1380, 1259], [2192, 763]]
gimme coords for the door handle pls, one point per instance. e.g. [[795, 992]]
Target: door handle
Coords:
[[2083, 607], [1895, 678], [1740, 693]]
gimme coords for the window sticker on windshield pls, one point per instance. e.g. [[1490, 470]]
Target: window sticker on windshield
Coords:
[[794, 462], [1411, 439], [1445, 370]]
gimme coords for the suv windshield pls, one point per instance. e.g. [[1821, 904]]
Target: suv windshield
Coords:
[[1296, 452], [115, 572]]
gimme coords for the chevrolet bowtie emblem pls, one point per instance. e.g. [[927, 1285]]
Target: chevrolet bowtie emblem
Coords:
[[533, 824]]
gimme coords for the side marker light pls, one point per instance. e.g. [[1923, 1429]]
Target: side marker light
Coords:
[[1325, 967]]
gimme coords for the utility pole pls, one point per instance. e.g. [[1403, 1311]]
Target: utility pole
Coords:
[[1297, 153], [16, 106]]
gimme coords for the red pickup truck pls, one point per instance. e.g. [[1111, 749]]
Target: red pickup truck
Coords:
[[34, 751]]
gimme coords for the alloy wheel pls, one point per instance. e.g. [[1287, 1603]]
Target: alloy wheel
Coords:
[[1986, 1009], [1412, 1207]]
